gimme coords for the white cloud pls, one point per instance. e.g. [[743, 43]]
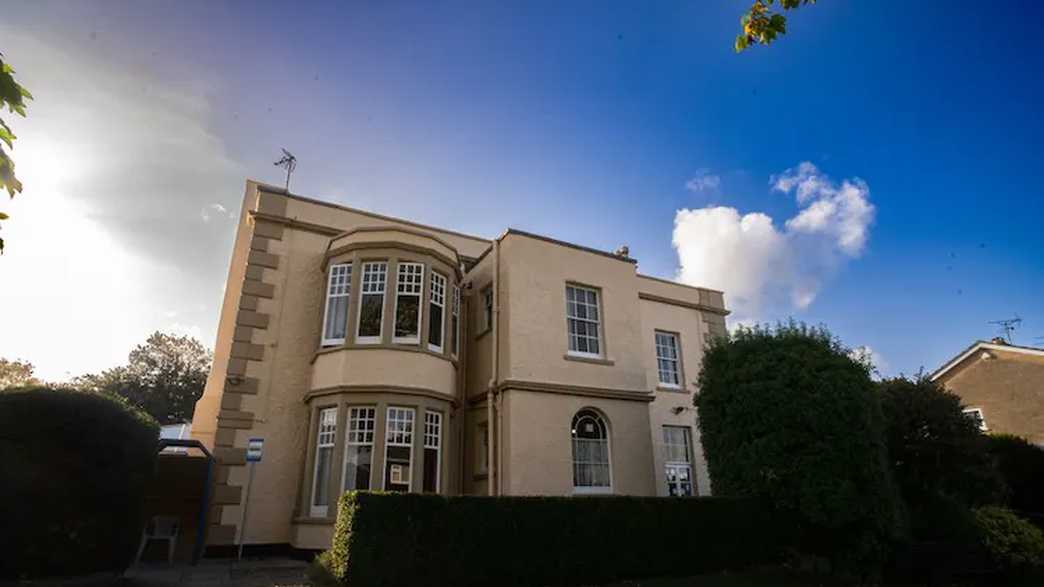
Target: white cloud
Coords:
[[867, 355], [103, 244], [763, 267], [703, 180], [208, 212]]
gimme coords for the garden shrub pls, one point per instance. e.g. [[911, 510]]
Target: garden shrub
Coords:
[[1012, 543], [75, 468], [935, 449], [1021, 464], [787, 414], [412, 539]]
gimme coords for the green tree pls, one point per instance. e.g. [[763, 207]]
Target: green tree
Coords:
[[16, 373], [13, 96], [164, 377], [761, 25], [934, 448], [787, 414]]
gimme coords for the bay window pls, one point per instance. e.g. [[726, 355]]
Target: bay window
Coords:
[[455, 322], [324, 447], [335, 318], [398, 449], [371, 302], [432, 450], [436, 307], [358, 447], [408, 303]]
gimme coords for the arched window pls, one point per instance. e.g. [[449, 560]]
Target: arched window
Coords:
[[591, 469]]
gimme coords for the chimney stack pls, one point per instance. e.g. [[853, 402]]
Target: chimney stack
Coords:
[[623, 251]]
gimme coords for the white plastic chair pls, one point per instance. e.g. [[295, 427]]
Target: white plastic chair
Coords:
[[160, 528]]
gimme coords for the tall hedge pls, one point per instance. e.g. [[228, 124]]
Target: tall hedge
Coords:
[[75, 466], [1021, 464], [787, 414], [411, 539]]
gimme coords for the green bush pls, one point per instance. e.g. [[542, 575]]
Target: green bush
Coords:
[[1022, 466], [320, 571], [411, 539], [1013, 544], [935, 449], [75, 467], [787, 414]]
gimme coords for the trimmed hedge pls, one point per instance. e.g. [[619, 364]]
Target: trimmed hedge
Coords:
[[1022, 466], [412, 539], [75, 466]]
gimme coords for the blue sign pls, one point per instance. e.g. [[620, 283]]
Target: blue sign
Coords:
[[255, 446]]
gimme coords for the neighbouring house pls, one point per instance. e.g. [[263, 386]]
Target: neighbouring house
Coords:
[[1001, 385], [371, 352]]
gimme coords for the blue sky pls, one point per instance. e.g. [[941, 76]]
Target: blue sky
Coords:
[[584, 122]]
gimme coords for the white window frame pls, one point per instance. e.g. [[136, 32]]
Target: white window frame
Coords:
[[433, 439], [593, 489], [455, 323], [388, 432], [377, 286], [359, 436], [674, 464], [676, 359], [412, 285], [337, 289], [325, 437], [597, 322], [981, 418], [437, 297]]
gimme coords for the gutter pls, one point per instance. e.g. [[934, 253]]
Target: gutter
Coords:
[[491, 391]]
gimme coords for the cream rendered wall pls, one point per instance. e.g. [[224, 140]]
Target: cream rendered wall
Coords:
[[538, 444], [688, 324], [535, 273]]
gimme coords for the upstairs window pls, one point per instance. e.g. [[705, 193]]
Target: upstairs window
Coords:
[[324, 446], [455, 322], [975, 414], [371, 302], [582, 317], [591, 469], [408, 303], [398, 449], [487, 309], [358, 447], [436, 309], [667, 359], [432, 450], [335, 320]]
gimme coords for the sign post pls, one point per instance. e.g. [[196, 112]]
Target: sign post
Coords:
[[255, 446]]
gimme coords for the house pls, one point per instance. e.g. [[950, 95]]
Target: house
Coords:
[[1001, 386], [371, 352]]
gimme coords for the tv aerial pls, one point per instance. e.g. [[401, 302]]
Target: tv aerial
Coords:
[[289, 163], [1007, 326]]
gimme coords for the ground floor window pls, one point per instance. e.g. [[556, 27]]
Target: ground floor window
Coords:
[[591, 469], [677, 442], [324, 446], [432, 450], [398, 449], [358, 447]]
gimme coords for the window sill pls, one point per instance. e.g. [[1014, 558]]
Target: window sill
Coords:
[[671, 389], [313, 521], [592, 491], [592, 360]]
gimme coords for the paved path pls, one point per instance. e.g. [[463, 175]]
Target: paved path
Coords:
[[265, 572]]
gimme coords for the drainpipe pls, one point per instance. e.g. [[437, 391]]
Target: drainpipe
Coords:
[[462, 392], [491, 391]]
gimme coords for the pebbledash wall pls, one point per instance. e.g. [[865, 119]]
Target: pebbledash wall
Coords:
[[373, 352]]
